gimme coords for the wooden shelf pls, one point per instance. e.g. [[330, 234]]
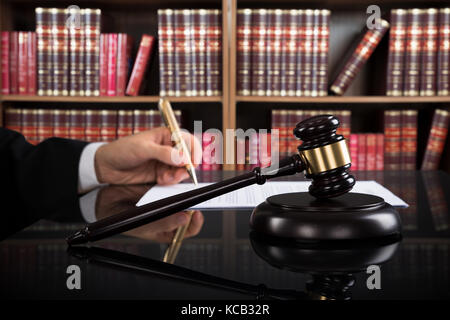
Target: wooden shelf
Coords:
[[345, 99], [122, 99]]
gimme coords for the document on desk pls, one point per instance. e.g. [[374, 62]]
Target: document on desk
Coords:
[[251, 196]]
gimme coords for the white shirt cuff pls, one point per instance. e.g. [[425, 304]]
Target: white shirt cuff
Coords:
[[87, 206], [87, 178]]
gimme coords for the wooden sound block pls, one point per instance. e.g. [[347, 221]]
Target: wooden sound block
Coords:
[[301, 217]]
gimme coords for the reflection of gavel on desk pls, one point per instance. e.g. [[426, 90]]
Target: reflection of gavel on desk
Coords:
[[325, 158]]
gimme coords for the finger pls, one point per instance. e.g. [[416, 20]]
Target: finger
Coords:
[[196, 224], [194, 146], [166, 175], [166, 154]]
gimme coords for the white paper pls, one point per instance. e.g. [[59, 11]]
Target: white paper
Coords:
[[251, 196]]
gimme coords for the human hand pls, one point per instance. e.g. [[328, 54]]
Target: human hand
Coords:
[[115, 199], [145, 157]]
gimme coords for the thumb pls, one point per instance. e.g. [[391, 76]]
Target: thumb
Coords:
[[167, 154]]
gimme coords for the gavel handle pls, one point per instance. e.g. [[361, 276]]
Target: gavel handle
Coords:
[[139, 216]]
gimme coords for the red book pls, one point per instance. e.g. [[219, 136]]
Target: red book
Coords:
[[125, 123], [5, 62], [207, 157], [240, 154], [258, 52], [103, 64], [371, 151], [92, 125], [354, 151], [23, 64], [253, 151], [379, 155], [44, 124], [112, 64], [243, 54], [436, 140], [14, 63], [264, 150], [61, 123], [362, 152], [140, 65], [284, 134], [31, 55], [124, 46]]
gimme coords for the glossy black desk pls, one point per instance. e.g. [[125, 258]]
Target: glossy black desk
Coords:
[[221, 263]]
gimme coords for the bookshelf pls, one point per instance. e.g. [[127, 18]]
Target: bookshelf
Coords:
[[364, 98]]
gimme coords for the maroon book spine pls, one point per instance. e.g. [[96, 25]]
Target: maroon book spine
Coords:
[[112, 65], [5, 62], [44, 124], [201, 32], [412, 55], [408, 139], [194, 54], [300, 53], [139, 121], [429, 52], [258, 52], [166, 55], [140, 65], [60, 51], [92, 125], [182, 23], [315, 53], [392, 136], [124, 123], [359, 57], [371, 151], [14, 63], [91, 22], [29, 125], [353, 147], [214, 54], [22, 78], [76, 53], [108, 125], [324, 35], [307, 53], [437, 201], [31, 56], [443, 59], [77, 125], [396, 57], [275, 52], [289, 58], [436, 140], [151, 119], [103, 85], [44, 52], [61, 123], [243, 58], [13, 119]]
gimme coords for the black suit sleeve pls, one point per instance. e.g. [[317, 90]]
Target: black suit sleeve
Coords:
[[36, 181]]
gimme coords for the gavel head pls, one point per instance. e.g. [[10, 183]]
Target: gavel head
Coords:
[[326, 156]]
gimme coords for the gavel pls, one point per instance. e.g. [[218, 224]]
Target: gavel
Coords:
[[323, 155]]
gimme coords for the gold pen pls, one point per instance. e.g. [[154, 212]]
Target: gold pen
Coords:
[[171, 122]]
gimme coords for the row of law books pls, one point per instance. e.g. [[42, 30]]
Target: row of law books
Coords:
[[367, 151], [68, 51], [90, 125], [419, 53], [282, 52], [190, 52], [18, 57], [286, 120]]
